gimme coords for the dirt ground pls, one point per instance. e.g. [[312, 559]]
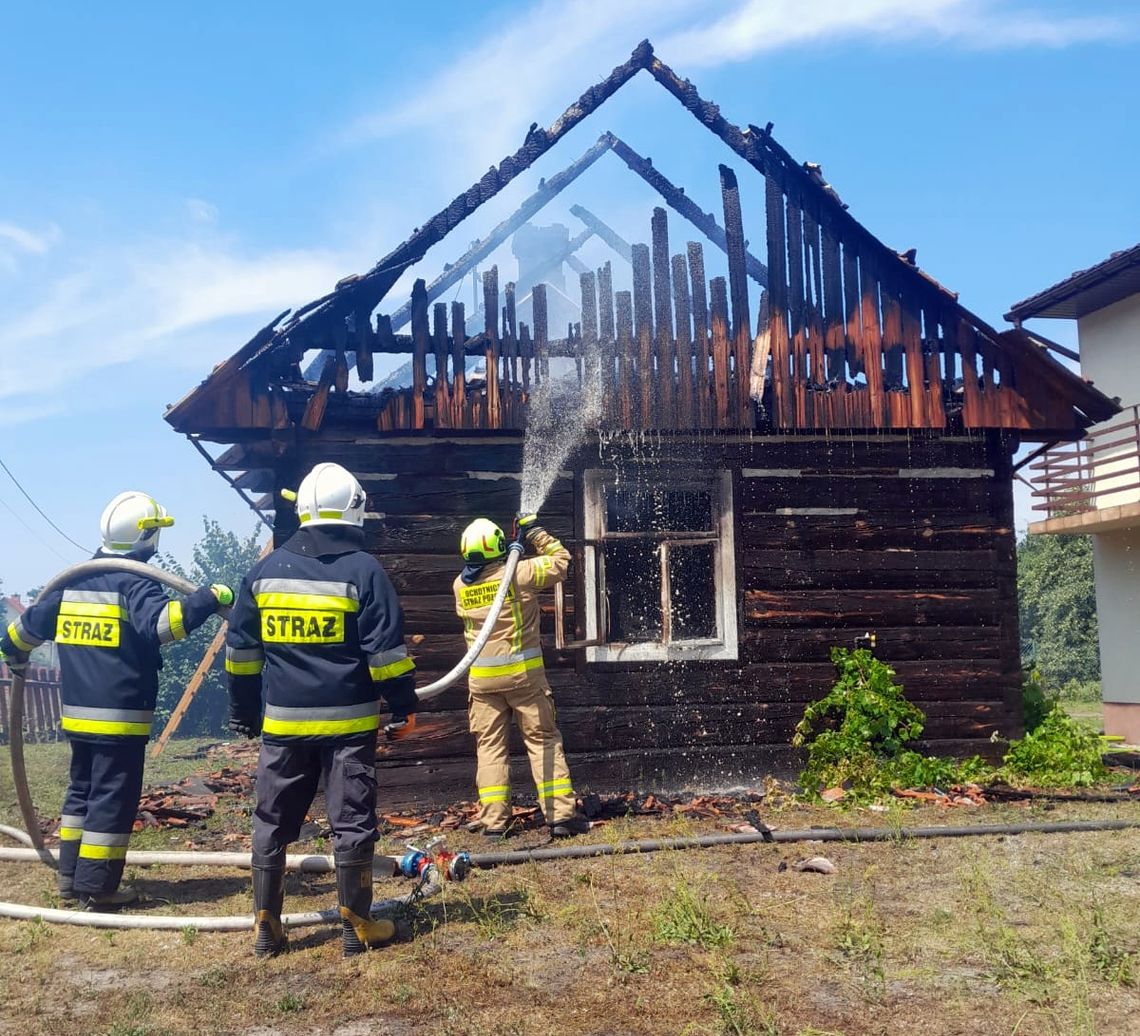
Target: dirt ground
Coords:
[[1022, 934]]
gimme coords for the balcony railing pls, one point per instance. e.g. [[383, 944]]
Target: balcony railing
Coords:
[[1095, 474]]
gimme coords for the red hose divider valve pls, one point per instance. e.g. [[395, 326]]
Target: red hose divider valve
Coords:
[[455, 866]]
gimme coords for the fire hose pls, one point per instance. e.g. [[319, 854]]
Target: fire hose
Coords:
[[429, 869], [16, 725], [514, 552], [432, 869]]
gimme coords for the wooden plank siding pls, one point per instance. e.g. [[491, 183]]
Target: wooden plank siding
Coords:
[[908, 536]]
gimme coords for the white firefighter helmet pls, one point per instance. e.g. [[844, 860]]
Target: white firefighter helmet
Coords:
[[330, 495], [131, 523]]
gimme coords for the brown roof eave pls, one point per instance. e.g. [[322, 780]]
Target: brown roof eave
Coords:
[[1084, 291]]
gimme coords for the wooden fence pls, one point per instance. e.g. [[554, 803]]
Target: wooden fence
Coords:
[[41, 704]]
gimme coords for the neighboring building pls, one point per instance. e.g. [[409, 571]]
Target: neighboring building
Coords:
[[1093, 486], [773, 476]]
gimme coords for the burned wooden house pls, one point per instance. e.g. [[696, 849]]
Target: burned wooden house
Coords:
[[815, 446]]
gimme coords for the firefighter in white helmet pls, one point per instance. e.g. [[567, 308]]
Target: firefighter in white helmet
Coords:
[[318, 634], [108, 629], [508, 680]]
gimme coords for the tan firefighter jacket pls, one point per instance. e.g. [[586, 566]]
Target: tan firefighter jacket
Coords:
[[513, 656]]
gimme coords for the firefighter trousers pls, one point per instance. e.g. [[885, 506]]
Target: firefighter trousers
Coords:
[[99, 812], [489, 715], [287, 777]]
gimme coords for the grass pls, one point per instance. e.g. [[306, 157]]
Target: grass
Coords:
[[1034, 934], [684, 916]]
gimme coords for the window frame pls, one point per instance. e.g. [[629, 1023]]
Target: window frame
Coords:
[[724, 646]]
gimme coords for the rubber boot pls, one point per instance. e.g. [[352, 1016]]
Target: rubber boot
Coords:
[[68, 855], [354, 894], [107, 902], [571, 826], [268, 898]]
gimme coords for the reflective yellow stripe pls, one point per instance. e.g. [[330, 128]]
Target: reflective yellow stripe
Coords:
[[177, 630], [70, 834], [495, 793], [309, 602], [319, 727], [102, 726], [102, 852], [245, 668], [557, 780], [102, 611], [20, 642], [516, 611], [552, 789], [485, 672], [322, 514], [553, 548], [392, 669], [542, 568]]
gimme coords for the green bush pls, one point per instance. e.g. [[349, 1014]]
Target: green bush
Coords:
[[1061, 752], [1036, 700], [857, 738], [857, 735]]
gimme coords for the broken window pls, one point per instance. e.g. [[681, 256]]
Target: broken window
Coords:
[[659, 567]]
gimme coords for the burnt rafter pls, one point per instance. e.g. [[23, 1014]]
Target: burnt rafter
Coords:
[[858, 335], [547, 191], [674, 197], [604, 231], [368, 289], [683, 205]]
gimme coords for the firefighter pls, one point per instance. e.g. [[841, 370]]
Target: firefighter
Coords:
[[508, 678], [318, 628], [108, 628]]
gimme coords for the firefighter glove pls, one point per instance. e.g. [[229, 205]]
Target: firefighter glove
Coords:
[[18, 663], [400, 727], [223, 593], [525, 524], [245, 722]]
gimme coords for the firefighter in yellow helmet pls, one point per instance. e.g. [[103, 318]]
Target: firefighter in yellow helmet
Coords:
[[508, 680]]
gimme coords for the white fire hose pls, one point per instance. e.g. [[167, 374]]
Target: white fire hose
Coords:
[[33, 837], [514, 553]]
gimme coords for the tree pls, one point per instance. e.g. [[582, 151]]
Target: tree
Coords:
[[219, 557], [1056, 595]]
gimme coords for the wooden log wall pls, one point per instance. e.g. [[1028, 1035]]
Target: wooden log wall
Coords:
[[909, 537]]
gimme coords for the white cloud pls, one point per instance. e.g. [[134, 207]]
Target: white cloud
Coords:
[[148, 299], [759, 26], [488, 97], [485, 99], [201, 211], [28, 240]]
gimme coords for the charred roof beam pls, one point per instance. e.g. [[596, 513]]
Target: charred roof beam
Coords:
[[600, 227], [680, 203], [547, 191], [367, 290]]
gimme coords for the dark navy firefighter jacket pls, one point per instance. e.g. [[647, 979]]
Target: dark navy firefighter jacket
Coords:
[[318, 628], [108, 628]]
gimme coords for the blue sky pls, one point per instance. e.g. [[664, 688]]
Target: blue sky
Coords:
[[173, 175]]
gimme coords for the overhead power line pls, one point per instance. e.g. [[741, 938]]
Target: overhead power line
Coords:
[[39, 510], [35, 535]]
